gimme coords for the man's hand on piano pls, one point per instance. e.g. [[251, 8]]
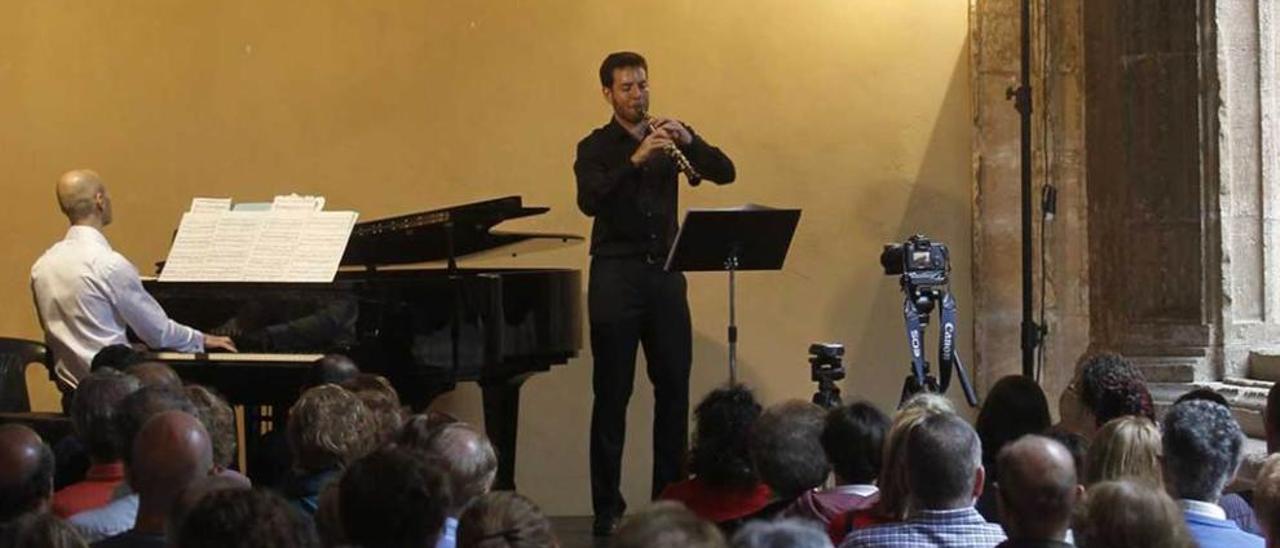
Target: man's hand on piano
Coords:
[[214, 341]]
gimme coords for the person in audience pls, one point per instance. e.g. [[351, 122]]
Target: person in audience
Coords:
[[395, 496], [328, 517], [1038, 492], [1105, 386], [505, 519], [1127, 447], [155, 374], [1203, 393], [1237, 508], [944, 478], [1128, 514], [26, 473], [40, 530], [417, 428], [192, 496], [1014, 407], [1266, 499], [170, 452], [670, 525], [94, 409], [786, 448], [246, 518], [788, 533], [116, 356], [86, 294], [220, 420], [724, 486], [328, 428], [471, 463], [135, 410], [1202, 444], [1076, 443], [382, 400], [273, 460], [853, 440]]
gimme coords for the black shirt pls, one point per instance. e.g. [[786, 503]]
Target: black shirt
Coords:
[[635, 207]]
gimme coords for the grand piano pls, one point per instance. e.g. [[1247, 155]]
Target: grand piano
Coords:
[[425, 329]]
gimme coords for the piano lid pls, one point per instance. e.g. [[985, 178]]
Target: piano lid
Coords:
[[442, 234]]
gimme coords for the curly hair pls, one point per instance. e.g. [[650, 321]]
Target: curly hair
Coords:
[[1014, 407], [1126, 448], [245, 518], [787, 449], [382, 400], [94, 408], [504, 519], [720, 455], [1123, 514], [1202, 444], [328, 427], [219, 419], [1111, 387]]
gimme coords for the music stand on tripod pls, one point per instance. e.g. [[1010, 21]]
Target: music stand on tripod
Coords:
[[751, 237]]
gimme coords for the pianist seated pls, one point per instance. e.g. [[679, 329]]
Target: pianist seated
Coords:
[[329, 428]]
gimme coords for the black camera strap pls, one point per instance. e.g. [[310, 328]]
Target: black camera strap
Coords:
[[947, 358], [915, 338]]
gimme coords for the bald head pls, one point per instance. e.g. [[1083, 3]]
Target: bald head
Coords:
[[171, 451], [1038, 488], [83, 198], [26, 471], [469, 459]]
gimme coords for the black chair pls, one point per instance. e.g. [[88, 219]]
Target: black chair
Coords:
[[15, 356]]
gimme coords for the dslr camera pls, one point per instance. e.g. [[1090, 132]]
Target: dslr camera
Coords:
[[826, 366], [920, 262]]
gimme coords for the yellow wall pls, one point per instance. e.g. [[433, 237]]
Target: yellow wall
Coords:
[[856, 111]]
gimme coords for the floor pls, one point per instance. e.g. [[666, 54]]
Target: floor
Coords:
[[575, 532]]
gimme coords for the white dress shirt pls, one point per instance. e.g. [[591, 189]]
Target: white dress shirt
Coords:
[[87, 294], [116, 517]]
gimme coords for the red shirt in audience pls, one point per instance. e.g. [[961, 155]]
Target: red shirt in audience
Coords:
[[717, 505], [97, 489]]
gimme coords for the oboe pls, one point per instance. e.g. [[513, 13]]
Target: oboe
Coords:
[[682, 162]]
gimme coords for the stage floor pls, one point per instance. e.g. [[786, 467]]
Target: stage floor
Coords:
[[575, 532]]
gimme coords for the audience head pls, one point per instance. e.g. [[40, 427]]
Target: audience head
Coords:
[[668, 524], [117, 356], [1206, 394], [468, 458], [893, 480], [94, 410], [784, 533], [26, 472], [331, 369], [944, 463], [219, 419], [723, 420], [786, 448], [1075, 442], [382, 401], [143, 404], [40, 530], [82, 197], [504, 519], [170, 452], [1125, 514], [1014, 407], [1126, 448], [193, 494], [417, 428], [1266, 497], [853, 439], [1202, 443], [328, 428], [1108, 386], [1037, 488], [155, 374], [928, 401], [1271, 419], [245, 518], [394, 496]]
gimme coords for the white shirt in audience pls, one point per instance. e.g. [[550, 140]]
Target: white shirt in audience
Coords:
[[110, 520]]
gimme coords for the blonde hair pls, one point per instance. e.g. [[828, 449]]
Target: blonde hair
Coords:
[[328, 427], [1126, 448], [893, 483]]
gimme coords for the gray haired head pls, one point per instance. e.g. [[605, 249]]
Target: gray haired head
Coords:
[[786, 533], [1202, 443]]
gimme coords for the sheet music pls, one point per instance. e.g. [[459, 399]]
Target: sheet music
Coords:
[[292, 242]]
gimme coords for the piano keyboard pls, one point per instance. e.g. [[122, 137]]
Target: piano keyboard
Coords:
[[233, 357]]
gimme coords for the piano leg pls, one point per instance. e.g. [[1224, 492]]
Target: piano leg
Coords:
[[501, 418]]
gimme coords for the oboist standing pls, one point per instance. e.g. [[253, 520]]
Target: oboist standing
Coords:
[[627, 173]]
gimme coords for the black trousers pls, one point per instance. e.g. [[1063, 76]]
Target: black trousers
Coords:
[[632, 302]]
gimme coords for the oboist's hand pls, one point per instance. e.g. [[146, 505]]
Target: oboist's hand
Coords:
[[676, 130], [655, 141], [214, 341]]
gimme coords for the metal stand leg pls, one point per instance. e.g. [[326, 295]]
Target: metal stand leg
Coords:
[[732, 266]]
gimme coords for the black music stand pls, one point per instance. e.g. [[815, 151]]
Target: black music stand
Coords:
[[751, 237]]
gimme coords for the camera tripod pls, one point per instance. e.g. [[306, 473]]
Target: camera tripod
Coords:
[[918, 303]]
